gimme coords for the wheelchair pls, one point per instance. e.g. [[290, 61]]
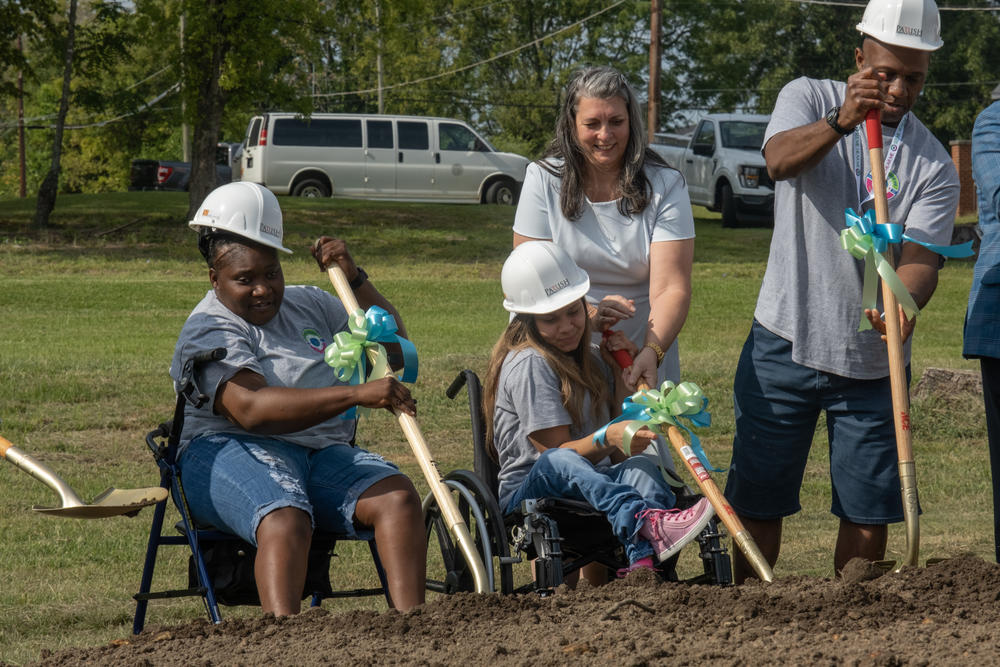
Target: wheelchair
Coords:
[[559, 535], [220, 565]]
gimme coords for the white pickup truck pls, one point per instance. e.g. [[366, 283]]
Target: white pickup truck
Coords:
[[723, 166]]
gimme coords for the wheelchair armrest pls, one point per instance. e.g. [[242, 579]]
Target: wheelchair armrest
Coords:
[[188, 385]]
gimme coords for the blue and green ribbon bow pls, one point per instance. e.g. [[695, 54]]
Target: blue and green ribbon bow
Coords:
[[667, 405], [865, 239], [347, 354]]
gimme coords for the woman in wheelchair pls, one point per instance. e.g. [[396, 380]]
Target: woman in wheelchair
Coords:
[[546, 394], [270, 456]]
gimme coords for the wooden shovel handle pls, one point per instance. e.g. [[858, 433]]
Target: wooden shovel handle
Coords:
[[894, 345], [428, 466], [741, 536]]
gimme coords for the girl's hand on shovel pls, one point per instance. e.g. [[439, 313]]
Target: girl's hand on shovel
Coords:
[[905, 325], [610, 311]]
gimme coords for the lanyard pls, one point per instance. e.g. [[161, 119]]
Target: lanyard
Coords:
[[890, 155]]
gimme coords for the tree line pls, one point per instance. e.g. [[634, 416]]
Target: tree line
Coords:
[[102, 82]]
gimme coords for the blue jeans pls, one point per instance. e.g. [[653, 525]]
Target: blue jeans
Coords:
[[620, 491], [777, 403], [233, 481]]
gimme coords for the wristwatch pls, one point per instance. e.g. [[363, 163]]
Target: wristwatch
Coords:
[[359, 279], [831, 120]]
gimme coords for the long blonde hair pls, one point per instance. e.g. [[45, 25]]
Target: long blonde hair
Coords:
[[577, 371]]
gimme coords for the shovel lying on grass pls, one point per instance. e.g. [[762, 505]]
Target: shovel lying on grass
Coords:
[[113, 502]]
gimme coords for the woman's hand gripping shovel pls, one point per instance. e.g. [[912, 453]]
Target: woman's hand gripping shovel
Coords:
[[456, 525], [741, 536], [113, 502]]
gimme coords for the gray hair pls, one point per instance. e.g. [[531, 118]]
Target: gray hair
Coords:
[[600, 83]]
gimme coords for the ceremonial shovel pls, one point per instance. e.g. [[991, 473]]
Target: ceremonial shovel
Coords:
[[449, 511], [741, 536], [112, 502], [894, 343]]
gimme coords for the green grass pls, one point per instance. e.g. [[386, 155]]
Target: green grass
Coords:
[[91, 308]]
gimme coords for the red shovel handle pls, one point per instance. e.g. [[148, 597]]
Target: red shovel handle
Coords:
[[873, 126]]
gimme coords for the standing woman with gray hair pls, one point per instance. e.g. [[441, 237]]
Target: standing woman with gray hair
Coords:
[[621, 213]]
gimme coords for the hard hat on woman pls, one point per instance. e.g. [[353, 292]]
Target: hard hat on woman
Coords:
[[914, 24], [245, 209], [540, 277]]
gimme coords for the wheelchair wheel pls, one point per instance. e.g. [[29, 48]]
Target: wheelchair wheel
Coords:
[[481, 514]]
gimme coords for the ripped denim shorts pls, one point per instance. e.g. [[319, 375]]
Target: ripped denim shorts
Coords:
[[232, 481]]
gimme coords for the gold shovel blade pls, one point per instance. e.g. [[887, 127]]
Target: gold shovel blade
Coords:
[[113, 502]]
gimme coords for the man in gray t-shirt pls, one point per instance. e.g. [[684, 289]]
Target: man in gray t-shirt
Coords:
[[805, 354]]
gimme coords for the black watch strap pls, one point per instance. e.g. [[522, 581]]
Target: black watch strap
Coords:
[[359, 279], [831, 120]]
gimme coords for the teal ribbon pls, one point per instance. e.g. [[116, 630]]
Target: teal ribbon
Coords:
[[347, 354], [667, 405], [865, 239]]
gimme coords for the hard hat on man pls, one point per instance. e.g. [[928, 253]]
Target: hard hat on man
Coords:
[[913, 24]]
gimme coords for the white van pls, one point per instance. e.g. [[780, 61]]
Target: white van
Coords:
[[410, 158]]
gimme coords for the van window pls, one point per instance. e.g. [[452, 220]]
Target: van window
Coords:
[[379, 133], [253, 132], [454, 137], [325, 132], [413, 135]]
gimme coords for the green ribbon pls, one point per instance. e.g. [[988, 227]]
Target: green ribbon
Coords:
[[347, 354], [667, 405], [866, 240]]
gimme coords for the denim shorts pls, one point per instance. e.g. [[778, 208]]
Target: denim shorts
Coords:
[[232, 481], [777, 404]]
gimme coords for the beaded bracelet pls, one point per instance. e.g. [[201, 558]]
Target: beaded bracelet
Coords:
[[658, 350]]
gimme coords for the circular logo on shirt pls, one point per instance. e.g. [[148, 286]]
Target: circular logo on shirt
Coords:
[[891, 184], [314, 340]]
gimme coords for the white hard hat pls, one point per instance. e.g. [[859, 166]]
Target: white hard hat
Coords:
[[245, 209], [914, 24], [539, 277]]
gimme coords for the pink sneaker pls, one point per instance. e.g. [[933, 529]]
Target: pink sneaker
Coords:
[[641, 564], [669, 530]]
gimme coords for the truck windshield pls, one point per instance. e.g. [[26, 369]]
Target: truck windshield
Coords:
[[742, 134]]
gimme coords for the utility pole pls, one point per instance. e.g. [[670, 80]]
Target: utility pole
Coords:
[[185, 142], [378, 54], [653, 119], [23, 190]]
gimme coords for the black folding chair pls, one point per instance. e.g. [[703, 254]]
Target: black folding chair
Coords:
[[220, 565]]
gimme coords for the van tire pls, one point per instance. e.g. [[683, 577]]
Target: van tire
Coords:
[[503, 192], [312, 188], [727, 204]]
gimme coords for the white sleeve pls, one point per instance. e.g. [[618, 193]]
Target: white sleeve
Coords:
[[674, 217], [532, 216]]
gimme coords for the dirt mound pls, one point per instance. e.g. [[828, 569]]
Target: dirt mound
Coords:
[[944, 614]]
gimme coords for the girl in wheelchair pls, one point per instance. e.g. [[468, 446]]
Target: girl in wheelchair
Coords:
[[545, 396], [271, 455]]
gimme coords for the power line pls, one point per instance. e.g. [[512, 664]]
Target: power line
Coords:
[[862, 5], [476, 64]]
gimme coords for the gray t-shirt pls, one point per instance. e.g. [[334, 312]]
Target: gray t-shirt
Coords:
[[287, 352], [529, 399], [811, 293]]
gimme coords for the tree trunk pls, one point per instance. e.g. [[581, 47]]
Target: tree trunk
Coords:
[[209, 104], [50, 184]]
